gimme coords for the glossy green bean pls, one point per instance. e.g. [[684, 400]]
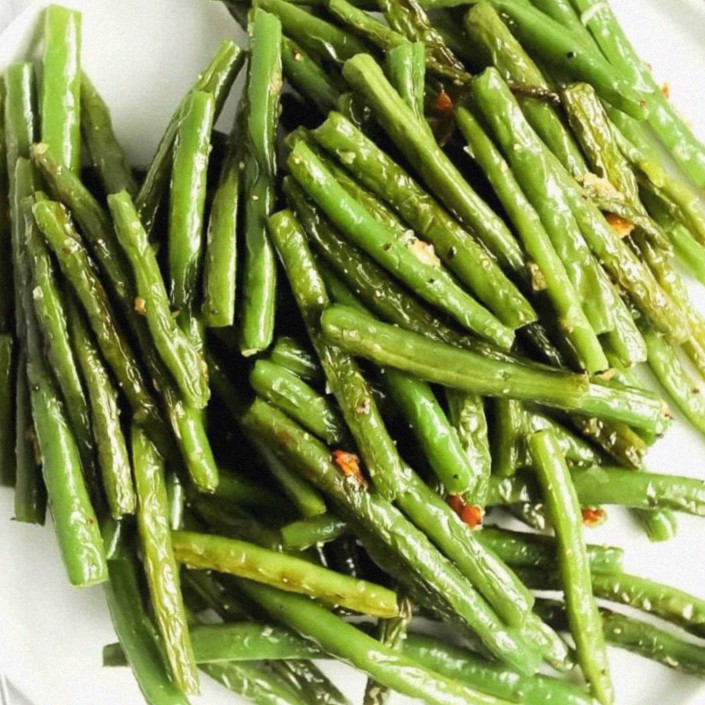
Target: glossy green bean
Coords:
[[455, 368], [7, 295], [365, 276], [466, 667], [264, 82], [375, 520], [111, 447], [347, 383], [567, 52], [573, 564], [493, 40], [160, 565], [187, 196], [291, 394], [220, 265], [246, 560], [61, 85], [313, 33], [217, 78]]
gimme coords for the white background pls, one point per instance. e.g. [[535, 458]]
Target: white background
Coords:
[[142, 56]]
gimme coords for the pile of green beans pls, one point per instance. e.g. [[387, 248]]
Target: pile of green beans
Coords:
[[299, 376]]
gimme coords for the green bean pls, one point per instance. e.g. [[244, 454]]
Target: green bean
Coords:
[[291, 394], [78, 269], [264, 82], [188, 195], [7, 410], [75, 522], [491, 37], [312, 33], [458, 369], [159, 563], [138, 637], [436, 169], [437, 437], [113, 457], [381, 662], [96, 227], [683, 200], [467, 414], [220, 266], [455, 246], [375, 521], [611, 485], [30, 491], [187, 423], [61, 85], [217, 78], [360, 22], [106, 154], [49, 305], [574, 568], [566, 51], [285, 572], [349, 387], [307, 76], [564, 295], [507, 430], [183, 361], [408, 259], [304, 533], [466, 667], [405, 65]]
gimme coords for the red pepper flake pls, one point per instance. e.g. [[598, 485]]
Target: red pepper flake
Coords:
[[620, 225], [593, 516], [443, 104], [469, 514], [349, 463]]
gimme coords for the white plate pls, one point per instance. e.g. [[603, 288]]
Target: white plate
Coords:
[[143, 56]]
